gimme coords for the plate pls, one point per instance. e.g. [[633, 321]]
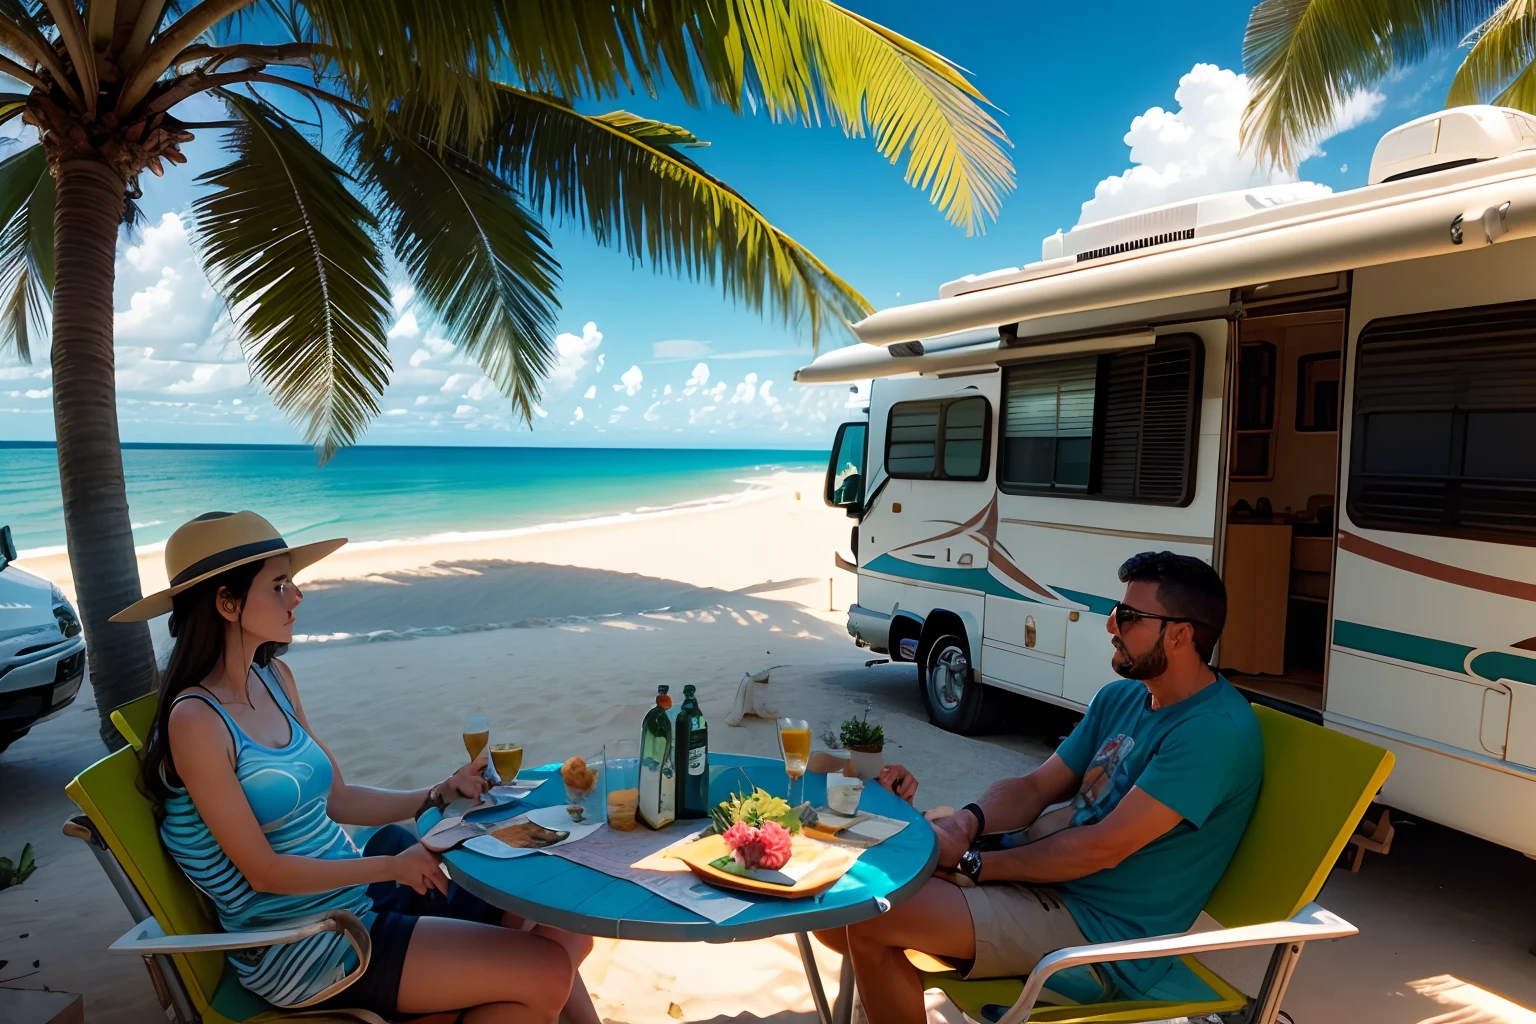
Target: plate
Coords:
[[816, 866]]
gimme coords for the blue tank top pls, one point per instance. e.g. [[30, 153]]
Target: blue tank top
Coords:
[[288, 788]]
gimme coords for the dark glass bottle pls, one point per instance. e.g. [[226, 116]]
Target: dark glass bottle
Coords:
[[692, 758], [658, 783]]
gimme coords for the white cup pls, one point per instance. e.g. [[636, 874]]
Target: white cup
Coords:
[[843, 793]]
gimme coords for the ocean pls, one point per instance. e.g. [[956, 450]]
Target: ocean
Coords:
[[381, 494]]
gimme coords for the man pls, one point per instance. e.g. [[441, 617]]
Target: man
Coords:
[[1155, 785]]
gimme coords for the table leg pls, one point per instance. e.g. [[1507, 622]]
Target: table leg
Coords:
[[842, 1013], [813, 977]]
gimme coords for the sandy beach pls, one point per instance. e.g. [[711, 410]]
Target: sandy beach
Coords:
[[561, 636]]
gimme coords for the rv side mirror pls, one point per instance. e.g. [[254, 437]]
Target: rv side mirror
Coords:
[[845, 470], [7, 547]]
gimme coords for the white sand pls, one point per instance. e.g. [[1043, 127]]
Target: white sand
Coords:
[[744, 587]]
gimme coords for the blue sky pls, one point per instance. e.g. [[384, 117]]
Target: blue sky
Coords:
[[650, 360]]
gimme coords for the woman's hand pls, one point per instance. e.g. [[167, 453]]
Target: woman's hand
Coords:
[[469, 782], [418, 868], [899, 781]]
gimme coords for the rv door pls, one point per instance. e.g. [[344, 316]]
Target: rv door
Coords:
[[845, 470]]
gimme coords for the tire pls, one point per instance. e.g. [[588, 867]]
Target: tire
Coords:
[[956, 700]]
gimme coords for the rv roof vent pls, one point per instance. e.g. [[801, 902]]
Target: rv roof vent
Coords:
[[1451, 138], [1172, 223]]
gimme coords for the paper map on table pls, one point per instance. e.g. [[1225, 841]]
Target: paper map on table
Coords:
[[639, 857], [861, 830]]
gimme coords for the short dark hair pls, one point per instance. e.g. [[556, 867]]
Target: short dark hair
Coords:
[[1188, 587]]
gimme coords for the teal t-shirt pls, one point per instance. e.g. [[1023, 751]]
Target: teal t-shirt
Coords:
[[1202, 757]]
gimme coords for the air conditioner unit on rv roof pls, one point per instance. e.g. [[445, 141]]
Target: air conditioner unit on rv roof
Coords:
[[1461, 135]]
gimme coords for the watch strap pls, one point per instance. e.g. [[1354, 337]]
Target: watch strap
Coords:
[[981, 817]]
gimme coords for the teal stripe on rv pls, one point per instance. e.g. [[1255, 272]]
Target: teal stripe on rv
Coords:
[[1389, 643], [969, 579], [1095, 604]]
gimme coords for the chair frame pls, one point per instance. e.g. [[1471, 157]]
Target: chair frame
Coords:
[[149, 940], [1311, 924]]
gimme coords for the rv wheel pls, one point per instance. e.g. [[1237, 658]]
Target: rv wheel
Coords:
[[955, 700]]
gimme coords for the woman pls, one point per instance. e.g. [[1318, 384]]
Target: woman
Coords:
[[252, 803]]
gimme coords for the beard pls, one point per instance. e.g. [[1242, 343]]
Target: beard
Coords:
[[1148, 665]]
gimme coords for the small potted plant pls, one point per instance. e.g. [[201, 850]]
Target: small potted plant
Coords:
[[865, 743]]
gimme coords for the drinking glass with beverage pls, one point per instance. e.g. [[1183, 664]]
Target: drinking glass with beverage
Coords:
[[507, 759], [622, 778], [477, 733], [795, 744]]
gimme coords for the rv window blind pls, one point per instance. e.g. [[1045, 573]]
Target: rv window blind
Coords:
[[1048, 423], [1118, 427], [1444, 424], [944, 439]]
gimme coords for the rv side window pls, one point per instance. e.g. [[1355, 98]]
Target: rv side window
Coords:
[[945, 439], [1116, 427], [1444, 424]]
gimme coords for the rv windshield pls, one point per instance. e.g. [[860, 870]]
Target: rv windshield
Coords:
[[845, 470]]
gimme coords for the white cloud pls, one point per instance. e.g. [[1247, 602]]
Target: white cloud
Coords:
[[630, 381], [405, 327], [401, 297], [574, 353], [464, 412], [578, 415], [699, 377], [650, 413], [746, 391], [679, 348], [537, 411], [602, 357], [1195, 149], [590, 393], [481, 389]]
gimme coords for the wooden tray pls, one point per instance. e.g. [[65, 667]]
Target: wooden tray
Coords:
[[828, 864]]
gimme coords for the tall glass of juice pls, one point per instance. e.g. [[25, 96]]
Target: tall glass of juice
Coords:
[[795, 744], [477, 733]]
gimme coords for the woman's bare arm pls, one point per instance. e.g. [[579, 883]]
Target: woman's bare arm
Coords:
[[204, 756], [369, 805]]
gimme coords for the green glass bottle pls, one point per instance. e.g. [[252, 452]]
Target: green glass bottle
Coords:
[[692, 748], [658, 782]]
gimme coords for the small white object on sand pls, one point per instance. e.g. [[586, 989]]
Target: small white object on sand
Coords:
[[752, 698]]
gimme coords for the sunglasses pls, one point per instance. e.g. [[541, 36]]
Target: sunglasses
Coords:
[[1125, 616]]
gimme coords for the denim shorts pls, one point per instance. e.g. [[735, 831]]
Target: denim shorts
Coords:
[[398, 907]]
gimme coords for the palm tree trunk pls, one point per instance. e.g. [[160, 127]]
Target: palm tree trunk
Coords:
[[87, 211]]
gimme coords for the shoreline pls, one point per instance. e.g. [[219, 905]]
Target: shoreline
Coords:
[[365, 558]]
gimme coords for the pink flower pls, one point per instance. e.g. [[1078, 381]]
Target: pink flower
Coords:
[[774, 846]]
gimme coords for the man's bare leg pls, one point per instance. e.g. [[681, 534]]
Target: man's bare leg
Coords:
[[936, 921]]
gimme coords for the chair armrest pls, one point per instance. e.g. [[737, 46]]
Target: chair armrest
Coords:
[[1310, 924], [147, 937]]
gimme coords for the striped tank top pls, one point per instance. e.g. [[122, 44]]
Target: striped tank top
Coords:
[[288, 788]]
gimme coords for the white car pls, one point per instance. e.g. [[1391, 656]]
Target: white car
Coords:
[[42, 651]]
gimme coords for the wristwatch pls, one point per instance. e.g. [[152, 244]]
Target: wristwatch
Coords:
[[969, 865]]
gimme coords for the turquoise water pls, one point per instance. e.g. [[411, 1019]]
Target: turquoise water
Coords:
[[377, 493]]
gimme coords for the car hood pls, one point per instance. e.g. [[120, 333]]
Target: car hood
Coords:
[[26, 611]]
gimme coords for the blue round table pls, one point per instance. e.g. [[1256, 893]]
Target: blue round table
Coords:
[[554, 891]]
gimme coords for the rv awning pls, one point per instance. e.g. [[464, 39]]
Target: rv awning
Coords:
[[956, 353], [1395, 227]]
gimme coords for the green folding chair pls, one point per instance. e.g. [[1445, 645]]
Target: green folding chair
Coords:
[[1317, 784], [175, 930], [136, 718]]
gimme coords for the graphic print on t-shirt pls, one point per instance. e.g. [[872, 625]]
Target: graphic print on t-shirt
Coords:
[[1104, 783]]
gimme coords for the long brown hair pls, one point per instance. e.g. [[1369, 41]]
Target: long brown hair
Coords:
[[198, 629]]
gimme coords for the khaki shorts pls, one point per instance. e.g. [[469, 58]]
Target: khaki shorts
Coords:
[[1016, 925]]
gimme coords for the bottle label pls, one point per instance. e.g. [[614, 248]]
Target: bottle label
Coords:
[[697, 754]]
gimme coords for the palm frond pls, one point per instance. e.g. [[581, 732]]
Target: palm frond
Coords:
[[909, 99], [478, 260], [291, 249], [615, 176], [26, 248], [1503, 49], [1304, 58], [384, 49]]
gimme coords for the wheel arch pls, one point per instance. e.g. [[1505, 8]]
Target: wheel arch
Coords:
[[943, 621]]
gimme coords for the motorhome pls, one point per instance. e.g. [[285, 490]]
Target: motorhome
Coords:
[[1329, 396]]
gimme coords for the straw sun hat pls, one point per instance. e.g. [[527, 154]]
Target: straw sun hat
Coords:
[[214, 542]]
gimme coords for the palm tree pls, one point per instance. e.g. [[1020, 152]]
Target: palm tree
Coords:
[[1305, 57], [457, 138]]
